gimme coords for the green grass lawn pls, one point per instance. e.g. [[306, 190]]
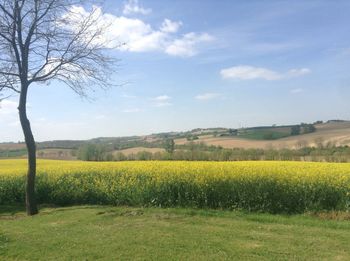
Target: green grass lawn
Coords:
[[122, 233]]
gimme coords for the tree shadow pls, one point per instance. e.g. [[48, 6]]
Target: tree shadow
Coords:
[[45, 209], [11, 210]]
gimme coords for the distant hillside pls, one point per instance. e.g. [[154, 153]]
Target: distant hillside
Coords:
[[331, 133]]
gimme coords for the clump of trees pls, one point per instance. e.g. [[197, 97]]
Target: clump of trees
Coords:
[[94, 152], [303, 128], [295, 130], [307, 128], [192, 137]]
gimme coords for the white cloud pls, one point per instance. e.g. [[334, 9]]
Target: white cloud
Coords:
[[162, 101], [133, 7], [186, 46], [245, 72], [162, 98], [296, 91], [207, 96], [9, 113], [8, 107], [135, 35], [169, 26], [298, 72]]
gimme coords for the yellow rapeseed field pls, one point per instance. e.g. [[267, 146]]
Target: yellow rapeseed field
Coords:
[[257, 186]]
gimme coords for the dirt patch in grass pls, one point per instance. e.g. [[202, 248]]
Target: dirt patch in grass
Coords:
[[332, 215], [124, 213]]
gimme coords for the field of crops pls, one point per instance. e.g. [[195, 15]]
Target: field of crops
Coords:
[[276, 187]]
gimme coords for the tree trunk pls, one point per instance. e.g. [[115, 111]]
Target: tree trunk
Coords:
[[31, 205]]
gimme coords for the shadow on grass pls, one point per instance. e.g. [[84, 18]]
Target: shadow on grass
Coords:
[[6, 210], [20, 210], [317, 218]]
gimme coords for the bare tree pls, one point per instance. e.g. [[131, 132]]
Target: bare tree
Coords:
[[45, 40]]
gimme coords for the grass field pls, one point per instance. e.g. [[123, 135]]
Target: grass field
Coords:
[[121, 233], [275, 187]]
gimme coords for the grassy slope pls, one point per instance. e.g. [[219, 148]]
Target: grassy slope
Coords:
[[269, 134], [111, 233]]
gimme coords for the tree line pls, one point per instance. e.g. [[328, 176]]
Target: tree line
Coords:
[[202, 152]]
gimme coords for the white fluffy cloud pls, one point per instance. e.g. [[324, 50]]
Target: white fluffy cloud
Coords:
[[207, 96], [162, 101], [245, 72], [135, 35], [9, 121], [9, 113], [8, 107], [133, 7], [169, 26], [298, 72], [186, 46]]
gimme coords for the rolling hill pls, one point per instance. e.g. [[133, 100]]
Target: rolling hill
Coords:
[[331, 133]]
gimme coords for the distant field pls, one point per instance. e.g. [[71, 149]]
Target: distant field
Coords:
[[12, 146], [139, 149], [63, 154], [330, 133]]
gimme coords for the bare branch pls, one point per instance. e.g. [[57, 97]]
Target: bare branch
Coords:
[[46, 40], [6, 12]]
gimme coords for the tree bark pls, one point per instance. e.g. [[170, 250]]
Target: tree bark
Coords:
[[31, 204]]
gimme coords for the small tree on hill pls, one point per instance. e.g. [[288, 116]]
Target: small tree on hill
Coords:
[[45, 40], [295, 130], [169, 146], [233, 132]]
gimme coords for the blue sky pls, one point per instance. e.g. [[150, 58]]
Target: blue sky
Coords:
[[190, 64]]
